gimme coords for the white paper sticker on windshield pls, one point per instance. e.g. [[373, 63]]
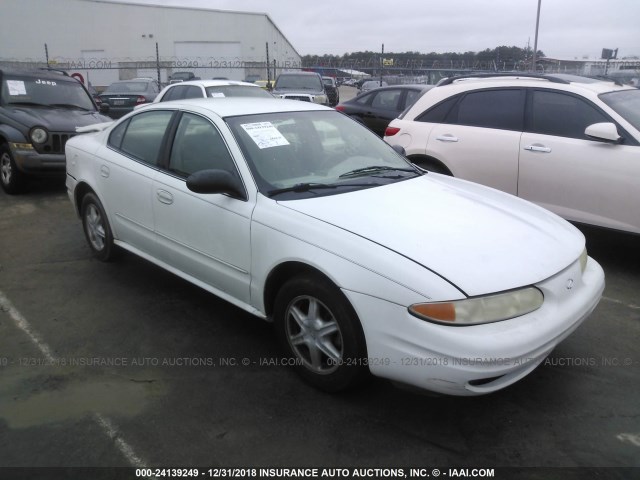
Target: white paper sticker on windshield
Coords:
[[216, 95], [16, 87], [265, 135]]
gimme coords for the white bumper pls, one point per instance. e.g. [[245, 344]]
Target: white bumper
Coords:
[[478, 359]]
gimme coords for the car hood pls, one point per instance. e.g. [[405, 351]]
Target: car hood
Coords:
[[479, 239], [56, 119]]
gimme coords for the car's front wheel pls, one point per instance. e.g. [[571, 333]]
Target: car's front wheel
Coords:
[[96, 228], [321, 333], [11, 178]]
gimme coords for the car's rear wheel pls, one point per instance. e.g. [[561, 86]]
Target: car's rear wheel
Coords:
[[96, 228], [320, 331], [11, 178]]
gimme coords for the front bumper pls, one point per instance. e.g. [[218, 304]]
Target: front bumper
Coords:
[[479, 359], [29, 160]]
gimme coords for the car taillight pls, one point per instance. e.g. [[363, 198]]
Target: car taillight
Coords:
[[391, 131], [340, 108], [140, 100]]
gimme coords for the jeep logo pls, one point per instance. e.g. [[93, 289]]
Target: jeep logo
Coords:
[[45, 82]]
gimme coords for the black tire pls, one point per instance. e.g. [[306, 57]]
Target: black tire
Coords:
[[96, 228], [329, 349], [11, 179]]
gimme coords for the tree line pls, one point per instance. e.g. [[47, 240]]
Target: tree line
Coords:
[[499, 58]]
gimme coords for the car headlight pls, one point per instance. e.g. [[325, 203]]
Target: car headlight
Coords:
[[584, 258], [478, 310], [38, 135], [320, 99]]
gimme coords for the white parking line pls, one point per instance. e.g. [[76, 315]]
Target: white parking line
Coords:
[[632, 438], [620, 302], [106, 425], [22, 324], [115, 435]]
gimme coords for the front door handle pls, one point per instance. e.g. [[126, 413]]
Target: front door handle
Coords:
[[164, 197], [538, 148], [447, 138]]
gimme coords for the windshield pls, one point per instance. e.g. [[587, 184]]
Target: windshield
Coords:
[[315, 153], [626, 103], [299, 82], [236, 91], [127, 87], [17, 90]]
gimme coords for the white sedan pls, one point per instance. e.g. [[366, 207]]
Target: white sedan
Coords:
[[364, 263], [208, 89]]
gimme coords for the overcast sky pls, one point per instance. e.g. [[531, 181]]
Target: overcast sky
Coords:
[[568, 28]]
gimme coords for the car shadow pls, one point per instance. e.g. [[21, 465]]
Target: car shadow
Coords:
[[613, 249]]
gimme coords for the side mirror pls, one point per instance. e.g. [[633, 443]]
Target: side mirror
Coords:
[[216, 181], [104, 108], [399, 149], [603, 132]]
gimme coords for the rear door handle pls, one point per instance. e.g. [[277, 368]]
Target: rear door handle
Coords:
[[447, 138], [164, 197], [538, 148]]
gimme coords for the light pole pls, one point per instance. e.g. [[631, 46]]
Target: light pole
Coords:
[[535, 41]]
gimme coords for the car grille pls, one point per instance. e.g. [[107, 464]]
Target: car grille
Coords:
[[55, 143]]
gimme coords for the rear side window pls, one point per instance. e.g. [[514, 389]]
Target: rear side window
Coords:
[[182, 91], [115, 138], [363, 100], [143, 136], [386, 100], [502, 109], [562, 115], [438, 113], [412, 96]]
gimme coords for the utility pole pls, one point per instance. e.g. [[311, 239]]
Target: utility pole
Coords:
[[157, 64], [535, 42], [381, 64], [268, 69]]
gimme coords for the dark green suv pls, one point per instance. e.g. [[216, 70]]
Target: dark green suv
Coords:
[[39, 112]]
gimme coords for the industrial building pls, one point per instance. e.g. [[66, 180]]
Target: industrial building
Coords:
[[105, 41]]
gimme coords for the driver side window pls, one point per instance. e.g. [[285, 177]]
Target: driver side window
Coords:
[[198, 146]]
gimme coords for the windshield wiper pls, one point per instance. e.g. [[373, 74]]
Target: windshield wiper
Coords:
[[306, 187], [376, 169], [33, 104], [68, 105]]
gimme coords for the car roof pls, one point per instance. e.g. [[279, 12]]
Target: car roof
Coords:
[[212, 83], [134, 80], [44, 73], [299, 73], [560, 82], [419, 86], [233, 106]]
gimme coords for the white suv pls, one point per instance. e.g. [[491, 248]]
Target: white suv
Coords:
[[570, 144]]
